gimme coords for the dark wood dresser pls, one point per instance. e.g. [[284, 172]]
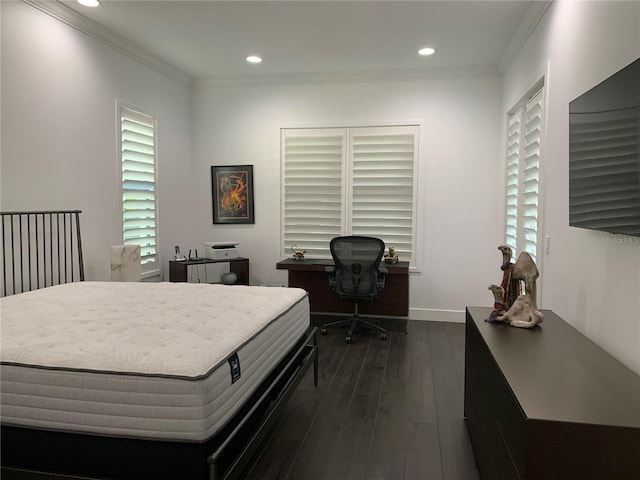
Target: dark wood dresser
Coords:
[[548, 404]]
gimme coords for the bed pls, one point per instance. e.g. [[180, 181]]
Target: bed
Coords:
[[139, 380]]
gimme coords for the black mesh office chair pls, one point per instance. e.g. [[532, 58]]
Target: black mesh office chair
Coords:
[[357, 277]]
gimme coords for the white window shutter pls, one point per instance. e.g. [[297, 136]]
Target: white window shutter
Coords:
[[514, 129], [349, 181], [138, 160], [313, 188], [384, 194], [531, 177], [522, 190]]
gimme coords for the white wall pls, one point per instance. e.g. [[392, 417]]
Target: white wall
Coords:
[[459, 215], [590, 279], [59, 149]]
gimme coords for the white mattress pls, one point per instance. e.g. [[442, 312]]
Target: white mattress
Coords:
[[143, 360]]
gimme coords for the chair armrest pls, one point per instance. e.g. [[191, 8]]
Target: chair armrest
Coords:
[[333, 283], [382, 276]]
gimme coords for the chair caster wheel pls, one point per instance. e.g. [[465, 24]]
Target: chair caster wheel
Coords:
[[383, 336], [323, 331], [348, 339]]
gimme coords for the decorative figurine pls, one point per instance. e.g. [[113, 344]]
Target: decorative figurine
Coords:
[[512, 305], [511, 286], [525, 270], [499, 308], [297, 254], [392, 256], [522, 313]]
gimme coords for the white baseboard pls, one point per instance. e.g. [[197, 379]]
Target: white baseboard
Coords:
[[427, 314]]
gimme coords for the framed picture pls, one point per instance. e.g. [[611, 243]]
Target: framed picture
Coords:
[[232, 194]]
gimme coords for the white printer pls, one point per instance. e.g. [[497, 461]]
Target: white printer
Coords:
[[221, 250]]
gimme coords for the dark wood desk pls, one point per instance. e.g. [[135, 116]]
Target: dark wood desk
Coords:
[[239, 266], [310, 274]]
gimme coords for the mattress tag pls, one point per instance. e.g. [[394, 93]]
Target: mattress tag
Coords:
[[234, 363]]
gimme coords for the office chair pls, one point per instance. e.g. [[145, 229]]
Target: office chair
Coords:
[[357, 277]]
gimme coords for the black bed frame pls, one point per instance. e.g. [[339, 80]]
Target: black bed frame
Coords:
[[38, 250]]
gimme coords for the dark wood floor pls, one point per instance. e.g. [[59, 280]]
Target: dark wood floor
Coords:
[[383, 409]]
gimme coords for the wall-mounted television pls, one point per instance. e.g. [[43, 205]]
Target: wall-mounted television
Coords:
[[604, 155]]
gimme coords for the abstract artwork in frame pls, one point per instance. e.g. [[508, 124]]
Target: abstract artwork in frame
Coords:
[[232, 194]]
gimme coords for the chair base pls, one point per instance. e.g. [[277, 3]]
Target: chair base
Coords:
[[353, 323]]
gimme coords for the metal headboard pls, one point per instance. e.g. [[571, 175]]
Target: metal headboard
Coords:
[[40, 249]]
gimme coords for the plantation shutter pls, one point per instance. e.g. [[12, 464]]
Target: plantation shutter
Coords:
[[349, 181], [514, 129], [313, 188], [522, 191], [531, 180], [383, 180], [604, 171], [138, 147]]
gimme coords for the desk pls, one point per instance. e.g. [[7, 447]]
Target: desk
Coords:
[[239, 266], [310, 274]]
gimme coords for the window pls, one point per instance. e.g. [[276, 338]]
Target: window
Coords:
[[139, 204], [349, 181], [524, 130]]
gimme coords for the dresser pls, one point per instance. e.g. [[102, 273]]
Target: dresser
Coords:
[[548, 404]]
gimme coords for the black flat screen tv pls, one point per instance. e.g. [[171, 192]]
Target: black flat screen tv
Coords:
[[604, 155]]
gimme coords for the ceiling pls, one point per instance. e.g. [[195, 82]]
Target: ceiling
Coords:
[[208, 40]]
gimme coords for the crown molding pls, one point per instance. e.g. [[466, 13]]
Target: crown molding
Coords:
[[369, 76], [70, 17], [61, 12], [534, 14]]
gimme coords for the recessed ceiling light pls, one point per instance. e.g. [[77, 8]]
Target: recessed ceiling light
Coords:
[[89, 3], [254, 59], [426, 51]]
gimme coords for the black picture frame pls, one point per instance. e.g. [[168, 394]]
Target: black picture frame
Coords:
[[232, 194]]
